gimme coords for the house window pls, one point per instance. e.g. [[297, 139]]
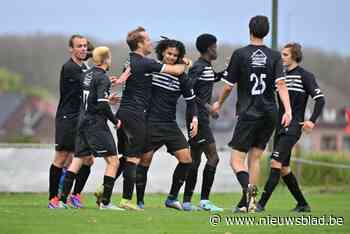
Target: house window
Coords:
[[346, 143], [329, 142]]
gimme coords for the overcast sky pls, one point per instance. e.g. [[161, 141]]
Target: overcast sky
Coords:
[[313, 23]]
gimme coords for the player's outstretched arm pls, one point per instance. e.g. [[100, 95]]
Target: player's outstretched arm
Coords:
[[283, 93], [122, 78], [225, 93]]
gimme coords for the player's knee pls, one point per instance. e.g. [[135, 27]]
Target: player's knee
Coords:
[[237, 164], [185, 158], [285, 171], [134, 160], [75, 165], [112, 161], [255, 154], [254, 158], [276, 164], [146, 161], [60, 158]]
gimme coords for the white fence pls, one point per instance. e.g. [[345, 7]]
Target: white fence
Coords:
[[25, 168]]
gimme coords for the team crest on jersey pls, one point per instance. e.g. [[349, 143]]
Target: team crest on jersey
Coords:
[[88, 78], [259, 58]]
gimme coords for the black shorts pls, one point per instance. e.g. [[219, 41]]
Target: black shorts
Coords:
[[283, 145], [252, 133], [168, 134], [204, 136], [95, 138], [132, 134], [66, 132]]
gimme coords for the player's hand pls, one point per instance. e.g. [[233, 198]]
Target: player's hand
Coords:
[[113, 80], [125, 75], [194, 127], [215, 108], [119, 124], [187, 62], [286, 118], [114, 99], [122, 78], [307, 126], [214, 115]]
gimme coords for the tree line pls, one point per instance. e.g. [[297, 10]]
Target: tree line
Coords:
[[37, 58]]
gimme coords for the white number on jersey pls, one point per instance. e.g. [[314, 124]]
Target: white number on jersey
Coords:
[[85, 98], [259, 84]]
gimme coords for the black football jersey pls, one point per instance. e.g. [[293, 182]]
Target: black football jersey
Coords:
[[70, 88], [203, 77], [96, 88], [137, 91], [166, 90], [255, 69], [301, 84]]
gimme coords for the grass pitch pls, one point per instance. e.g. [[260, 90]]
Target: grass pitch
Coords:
[[27, 213]]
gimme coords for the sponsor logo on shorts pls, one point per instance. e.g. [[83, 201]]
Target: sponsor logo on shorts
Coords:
[[101, 151], [276, 154], [202, 140]]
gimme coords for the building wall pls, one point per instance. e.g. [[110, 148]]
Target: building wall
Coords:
[[326, 139]]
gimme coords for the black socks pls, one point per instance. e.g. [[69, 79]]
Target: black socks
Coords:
[[270, 186], [129, 180], [179, 177], [54, 178], [208, 179], [141, 181]]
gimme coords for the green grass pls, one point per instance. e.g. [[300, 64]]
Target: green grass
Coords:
[[27, 213]]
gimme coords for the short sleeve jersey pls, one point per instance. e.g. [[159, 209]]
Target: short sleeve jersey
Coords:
[[255, 69]]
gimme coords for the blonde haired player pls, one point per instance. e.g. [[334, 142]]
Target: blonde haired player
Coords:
[[94, 136]]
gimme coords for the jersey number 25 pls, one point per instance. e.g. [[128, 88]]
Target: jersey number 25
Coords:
[[259, 84]]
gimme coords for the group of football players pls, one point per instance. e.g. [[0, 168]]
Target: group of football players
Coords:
[[146, 118]]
